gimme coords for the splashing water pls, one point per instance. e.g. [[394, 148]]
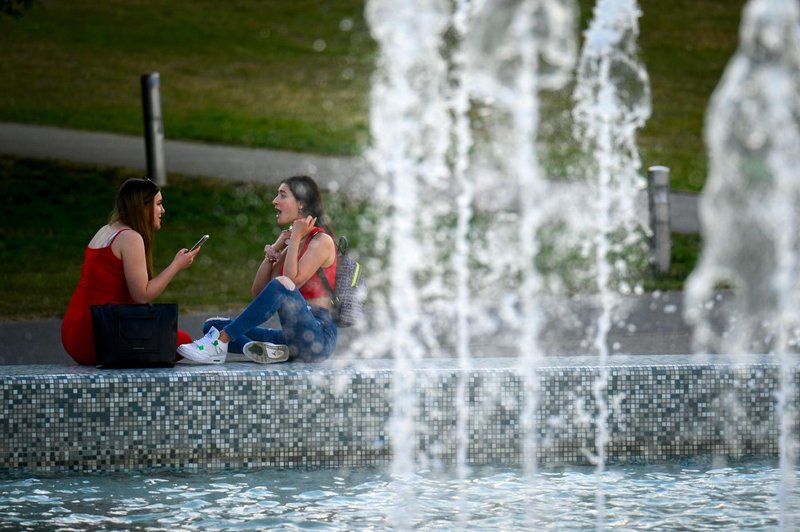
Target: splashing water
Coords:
[[612, 101], [410, 131], [451, 280], [511, 55], [749, 207], [455, 119]]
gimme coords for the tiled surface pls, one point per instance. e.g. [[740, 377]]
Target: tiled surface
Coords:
[[69, 418]]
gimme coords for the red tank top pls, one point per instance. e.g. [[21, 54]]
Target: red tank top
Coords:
[[313, 288], [102, 281]]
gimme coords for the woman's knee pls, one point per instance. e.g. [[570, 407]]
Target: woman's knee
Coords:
[[286, 282]]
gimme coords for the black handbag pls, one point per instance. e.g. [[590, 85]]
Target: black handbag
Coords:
[[135, 336]]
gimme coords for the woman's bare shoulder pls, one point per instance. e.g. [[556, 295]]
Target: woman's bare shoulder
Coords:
[[128, 241], [322, 239], [129, 237], [322, 246]]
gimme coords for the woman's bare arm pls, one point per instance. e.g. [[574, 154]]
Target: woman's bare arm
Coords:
[[320, 253], [130, 247]]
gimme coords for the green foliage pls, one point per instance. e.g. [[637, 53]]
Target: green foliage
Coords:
[[569, 265], [686, 45], [53, 210]]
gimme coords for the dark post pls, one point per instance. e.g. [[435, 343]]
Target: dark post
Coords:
[[153, 128], [658, 196]]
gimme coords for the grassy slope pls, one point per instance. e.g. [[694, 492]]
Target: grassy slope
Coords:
[[262, 73], [256, 72], [685, 45]]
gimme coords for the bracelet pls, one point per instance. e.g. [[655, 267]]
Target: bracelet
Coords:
[[271, 255]]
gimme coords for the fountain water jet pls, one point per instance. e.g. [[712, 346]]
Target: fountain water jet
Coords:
[[446, 68], [409, 106], [455, 124], [440, 76], [612, 101], [749, 209]]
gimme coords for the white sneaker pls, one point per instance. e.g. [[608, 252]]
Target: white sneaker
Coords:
[[207, 350], [266, 353]]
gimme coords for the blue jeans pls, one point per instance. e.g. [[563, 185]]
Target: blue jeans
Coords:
[[310, 332]]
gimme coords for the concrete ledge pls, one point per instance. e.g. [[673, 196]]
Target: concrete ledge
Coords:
[[237, 416]]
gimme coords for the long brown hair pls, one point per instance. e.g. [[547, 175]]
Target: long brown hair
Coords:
[[134, 208]]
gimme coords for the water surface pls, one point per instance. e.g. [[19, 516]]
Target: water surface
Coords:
[[687, 496]]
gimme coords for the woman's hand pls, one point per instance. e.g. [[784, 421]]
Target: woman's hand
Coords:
[[272, 252], [321, 251], [184, 258], [302, 226], [141, 288]]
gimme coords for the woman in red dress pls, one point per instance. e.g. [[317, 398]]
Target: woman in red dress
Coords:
[[118, 266]]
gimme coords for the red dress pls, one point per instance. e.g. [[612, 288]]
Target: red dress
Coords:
[[102, 281]]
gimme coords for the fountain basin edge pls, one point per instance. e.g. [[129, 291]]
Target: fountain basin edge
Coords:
[[60, 418]]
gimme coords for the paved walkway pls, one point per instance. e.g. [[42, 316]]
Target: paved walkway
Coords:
[[190, 158], [347, 174], [34, 341]]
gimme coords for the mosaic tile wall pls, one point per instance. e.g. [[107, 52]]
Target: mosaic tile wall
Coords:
[[242, 416]]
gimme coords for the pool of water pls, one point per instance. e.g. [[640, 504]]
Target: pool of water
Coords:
[[661, 497]]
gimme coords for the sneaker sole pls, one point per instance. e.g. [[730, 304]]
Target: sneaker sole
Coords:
[[189, 362], [266, 353]]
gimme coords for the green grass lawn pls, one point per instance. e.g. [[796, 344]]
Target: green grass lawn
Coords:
[[685, 45], [284, 74], [295, 74]]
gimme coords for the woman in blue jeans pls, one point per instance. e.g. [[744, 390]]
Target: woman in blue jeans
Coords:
[[286, 284]]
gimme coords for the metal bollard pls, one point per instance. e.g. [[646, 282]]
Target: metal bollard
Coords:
[[153, 128], [658, 196]]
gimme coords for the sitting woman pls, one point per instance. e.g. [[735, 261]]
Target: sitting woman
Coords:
[[286, 283], [118, 266]]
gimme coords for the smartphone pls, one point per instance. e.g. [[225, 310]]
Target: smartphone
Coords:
[[200, 242]]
